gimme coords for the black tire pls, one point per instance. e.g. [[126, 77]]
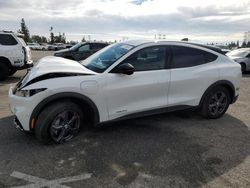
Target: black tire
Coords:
[[211, 107], [243, 67], [51, 122], [12, 71], [4, 71]]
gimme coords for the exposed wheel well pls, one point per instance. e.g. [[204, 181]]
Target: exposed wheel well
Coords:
[[89, 109], [224, 83], [5, 60]]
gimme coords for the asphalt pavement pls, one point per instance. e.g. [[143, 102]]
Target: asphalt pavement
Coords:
[[179, 149]]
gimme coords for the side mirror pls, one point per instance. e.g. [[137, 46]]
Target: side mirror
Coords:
[[125, 68]]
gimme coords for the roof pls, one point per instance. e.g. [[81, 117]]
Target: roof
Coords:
[[141, 42]]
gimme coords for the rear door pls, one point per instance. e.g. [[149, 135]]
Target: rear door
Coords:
[[192, 72]]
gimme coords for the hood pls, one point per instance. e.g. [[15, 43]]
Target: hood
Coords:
[[55, 67]]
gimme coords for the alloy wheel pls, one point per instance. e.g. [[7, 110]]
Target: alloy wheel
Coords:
[[65, 126]]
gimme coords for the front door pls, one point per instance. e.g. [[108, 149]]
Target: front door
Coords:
[[146, 89]]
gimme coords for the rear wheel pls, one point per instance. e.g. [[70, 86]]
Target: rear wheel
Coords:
[[216, 102], [59, 122], [243, 67], [4, 71]]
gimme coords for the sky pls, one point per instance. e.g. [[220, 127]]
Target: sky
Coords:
[[199, 20]]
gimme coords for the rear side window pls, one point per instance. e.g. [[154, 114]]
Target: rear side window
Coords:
[[189, 57], [7, 40]]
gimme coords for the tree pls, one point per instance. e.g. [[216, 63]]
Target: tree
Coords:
[[25, 31], [244, 44], [83, 39], [238, 43], [38, 39], [248, 44], [184, 39], [51, 35]]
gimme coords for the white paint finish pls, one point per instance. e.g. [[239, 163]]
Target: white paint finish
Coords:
[[189, 84], [37, 182], [14, 53], [116, 95], [51, 64], [89, 87], [141, 91]]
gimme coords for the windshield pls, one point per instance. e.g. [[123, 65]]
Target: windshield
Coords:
[[104, 58], [240, 53], [76, 46]]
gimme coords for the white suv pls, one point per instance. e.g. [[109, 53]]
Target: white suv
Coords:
[[14, 54], [123, 80]]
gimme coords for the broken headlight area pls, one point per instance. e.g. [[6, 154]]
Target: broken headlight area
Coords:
[[28, 93]]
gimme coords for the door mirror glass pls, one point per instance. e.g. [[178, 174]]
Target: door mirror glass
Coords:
[[125, 68]]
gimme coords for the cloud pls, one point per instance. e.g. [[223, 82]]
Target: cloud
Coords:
[[113, 18]]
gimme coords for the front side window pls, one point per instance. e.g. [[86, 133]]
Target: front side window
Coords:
[[104, 58], [189, 57], [84, 48], [152, 58], [7, 40]]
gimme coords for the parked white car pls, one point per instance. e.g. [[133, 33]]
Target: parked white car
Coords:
[[36, 46], [241, 56], [14, 54], [123, 80]]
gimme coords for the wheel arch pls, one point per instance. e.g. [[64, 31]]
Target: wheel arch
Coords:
[[225, 83], [5, 60], [81, 100]]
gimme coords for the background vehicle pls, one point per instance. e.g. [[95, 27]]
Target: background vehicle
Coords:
[[241, 56], [81, 50], [14, 54], [59, 46], [123, 80], [35, 46]]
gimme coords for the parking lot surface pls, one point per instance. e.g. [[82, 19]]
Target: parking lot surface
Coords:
[[178, 149]]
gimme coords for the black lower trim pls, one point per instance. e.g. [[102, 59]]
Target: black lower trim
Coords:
[[18, 124], [151, 112]]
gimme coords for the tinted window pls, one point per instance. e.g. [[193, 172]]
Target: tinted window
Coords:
[[152, 58], [84, 48], [96, 46], [7, 40], [188, 57]]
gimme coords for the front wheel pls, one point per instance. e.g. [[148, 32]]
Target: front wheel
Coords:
[[216, 102], [4, 71], [59, 122], [12, 71]]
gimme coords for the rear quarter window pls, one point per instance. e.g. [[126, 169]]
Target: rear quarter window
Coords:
[[189, 57], [6, 39]]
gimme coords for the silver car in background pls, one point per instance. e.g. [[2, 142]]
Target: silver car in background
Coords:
[[241, 56]]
